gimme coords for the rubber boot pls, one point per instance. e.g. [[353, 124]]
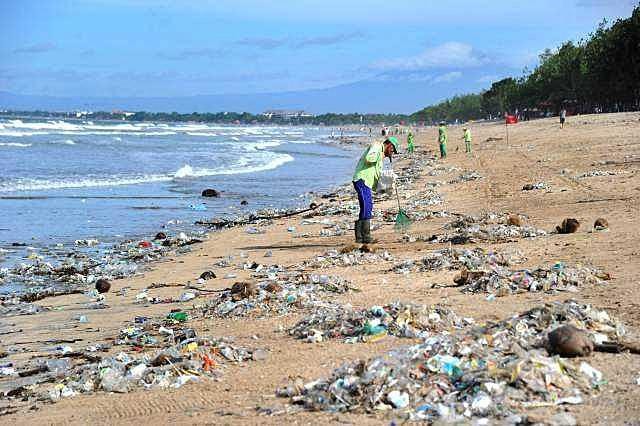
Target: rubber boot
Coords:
[[366, 232], [358, 229]]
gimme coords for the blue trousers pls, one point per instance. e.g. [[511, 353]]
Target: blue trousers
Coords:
[[364, 199]]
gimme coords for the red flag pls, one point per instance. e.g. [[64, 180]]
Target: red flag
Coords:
[[511, 119]]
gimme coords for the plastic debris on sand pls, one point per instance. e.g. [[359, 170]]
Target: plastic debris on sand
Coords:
[[494, 371], [362, 325]]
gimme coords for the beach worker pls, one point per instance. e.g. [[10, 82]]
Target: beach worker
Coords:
[[442, 139], [563, 117], [410, 146], [466, 135], [365, 179]]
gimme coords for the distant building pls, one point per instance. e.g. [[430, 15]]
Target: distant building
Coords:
[[80, 114], [121, 115], [285, 114]]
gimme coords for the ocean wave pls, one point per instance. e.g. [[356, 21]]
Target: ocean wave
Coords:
[[202, 134], [243, 165], [302, 142], [54, 127], [19, 134], [187, 172], [263, 144], [276, 162], [183, 172], [48, 184], [19, 128], [49, 125], [124, 133], [15, 144]]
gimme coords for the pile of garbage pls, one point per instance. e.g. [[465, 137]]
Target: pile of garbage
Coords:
[[12, 305], [409, 173], [275, 295], [417, 206], [451, 259], [355, 257], [495, 371], [188, 360], [488, 227], [335, 230], [86, 264], [466, 177], [500, 281], [595, 173], [425, 199], [183, 356], [535, 186], [441, 170], [365, 325]]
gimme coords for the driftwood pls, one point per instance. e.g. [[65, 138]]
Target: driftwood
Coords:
[[600, 200], [49, 342], [205, 290], [39, 295], [252, 219], [8, 410], [77, 354], [618, 347], [163, 285], [185, 286], [33, 371], [20, 390]]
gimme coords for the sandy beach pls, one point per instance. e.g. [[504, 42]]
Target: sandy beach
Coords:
[[244, 392]]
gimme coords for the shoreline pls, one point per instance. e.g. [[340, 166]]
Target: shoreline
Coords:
[[243, 391], [176, 235]]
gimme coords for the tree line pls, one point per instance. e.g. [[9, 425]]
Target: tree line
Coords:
[[328, 119], [600, 73]]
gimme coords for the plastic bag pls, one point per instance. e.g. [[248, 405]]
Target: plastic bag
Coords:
[[387, 181]]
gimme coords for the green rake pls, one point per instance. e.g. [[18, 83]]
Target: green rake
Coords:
[[403, 221]]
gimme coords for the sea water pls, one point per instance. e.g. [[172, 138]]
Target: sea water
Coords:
[[66, 180]]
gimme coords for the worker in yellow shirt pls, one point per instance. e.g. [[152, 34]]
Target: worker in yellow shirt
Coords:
[[442, 139], [466, 135], [365, 179]]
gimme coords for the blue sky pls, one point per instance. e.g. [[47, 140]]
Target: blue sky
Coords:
[[118, 48]]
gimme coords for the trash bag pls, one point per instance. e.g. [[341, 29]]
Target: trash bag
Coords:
[[387, 181]]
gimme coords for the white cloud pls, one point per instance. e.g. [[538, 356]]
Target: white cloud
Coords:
[[447, 77], [450, 54], [488, 79]]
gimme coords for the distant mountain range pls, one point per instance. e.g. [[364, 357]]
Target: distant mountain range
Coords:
[[368, 96]]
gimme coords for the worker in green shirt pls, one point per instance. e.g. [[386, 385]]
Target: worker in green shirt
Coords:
[[365, 179], [466, 135], [410, 146], [442, 139]]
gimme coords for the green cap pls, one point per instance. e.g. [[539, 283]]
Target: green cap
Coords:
[[393, 141]]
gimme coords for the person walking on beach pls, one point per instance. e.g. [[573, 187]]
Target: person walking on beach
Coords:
[[410, 146], [466, 135], [365, 179], [442, 139], [563, 117]]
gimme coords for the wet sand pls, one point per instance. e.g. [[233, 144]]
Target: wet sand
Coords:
[[538, 151]]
